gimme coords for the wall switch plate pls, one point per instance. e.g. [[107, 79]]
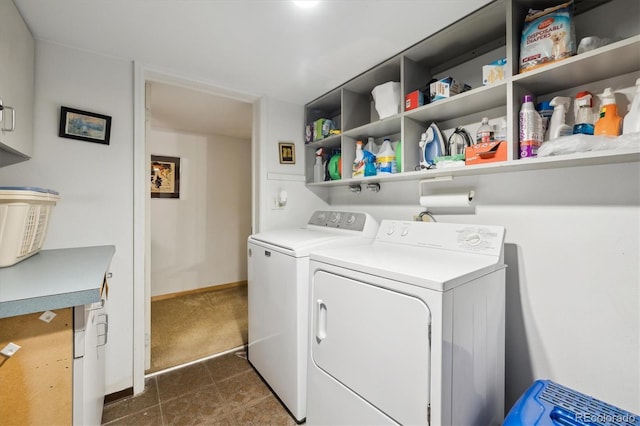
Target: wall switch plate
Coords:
[[10, 349]]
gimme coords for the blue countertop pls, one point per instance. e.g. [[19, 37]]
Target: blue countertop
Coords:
[[54, 279]]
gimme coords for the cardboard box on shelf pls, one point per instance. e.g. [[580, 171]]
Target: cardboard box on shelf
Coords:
[[486, 152], [413, 100], [494, 72], [445, 88]]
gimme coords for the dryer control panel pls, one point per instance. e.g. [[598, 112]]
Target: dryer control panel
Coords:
[[481, 239]]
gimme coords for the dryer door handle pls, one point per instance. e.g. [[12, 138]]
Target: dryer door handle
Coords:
[[321, 320]]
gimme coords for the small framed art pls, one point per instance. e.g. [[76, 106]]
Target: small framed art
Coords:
[[165, 177], [84, 125], [287, 153]]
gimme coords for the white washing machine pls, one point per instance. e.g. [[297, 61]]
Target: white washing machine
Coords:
[[410, 329], [278, 293]]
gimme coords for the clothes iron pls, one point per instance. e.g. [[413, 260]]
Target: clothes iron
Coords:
[[432, 146]]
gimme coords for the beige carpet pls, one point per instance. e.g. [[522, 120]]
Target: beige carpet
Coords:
[[194, 326]]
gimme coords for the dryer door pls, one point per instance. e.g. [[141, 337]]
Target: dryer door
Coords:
[[375, 342]]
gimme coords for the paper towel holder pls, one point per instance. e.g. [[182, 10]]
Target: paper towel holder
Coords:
[[447, 178]]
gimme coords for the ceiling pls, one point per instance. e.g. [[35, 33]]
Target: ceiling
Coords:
[[251, 47]]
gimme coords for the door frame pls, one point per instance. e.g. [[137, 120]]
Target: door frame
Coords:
[[141, 203]]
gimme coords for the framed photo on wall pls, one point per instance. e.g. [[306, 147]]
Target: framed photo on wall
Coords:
[[84, 125], [287, 153], [165, 177]]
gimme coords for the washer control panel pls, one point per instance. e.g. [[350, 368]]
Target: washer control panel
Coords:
[[484, 239], [352, 221]]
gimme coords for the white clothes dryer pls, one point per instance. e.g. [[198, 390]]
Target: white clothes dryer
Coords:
[[409, 329], [278, 297]]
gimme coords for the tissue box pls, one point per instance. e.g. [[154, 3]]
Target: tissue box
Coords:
[[494, 72], [446, 88], [485, 152], [413, 100]]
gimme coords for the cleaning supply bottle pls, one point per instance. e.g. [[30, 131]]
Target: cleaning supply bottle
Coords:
[[369, 161], [558, 127], [609, 123], [584, 113], [371, 146], [545, 109], [484, 132], [398, 152], [358, 162], [631, 123], [530, 124], [318, 167], [386, 159]]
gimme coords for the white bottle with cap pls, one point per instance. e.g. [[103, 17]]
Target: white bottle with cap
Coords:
[[318, 167], [631, 123]]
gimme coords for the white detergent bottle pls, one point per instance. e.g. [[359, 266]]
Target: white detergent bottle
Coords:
[[386, 159], [558, 127], [631, 123], [371, 146], [358, 162], [318, 167]]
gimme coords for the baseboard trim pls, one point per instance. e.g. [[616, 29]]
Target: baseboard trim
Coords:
[[198, 290]]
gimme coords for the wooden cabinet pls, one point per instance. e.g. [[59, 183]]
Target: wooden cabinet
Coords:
[[17, 68], [459, 51], [37, 379]]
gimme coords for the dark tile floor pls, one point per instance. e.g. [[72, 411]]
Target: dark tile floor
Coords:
[[224, 390]]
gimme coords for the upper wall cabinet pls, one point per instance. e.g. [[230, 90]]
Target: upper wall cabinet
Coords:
[[460, 51], [17, 66]]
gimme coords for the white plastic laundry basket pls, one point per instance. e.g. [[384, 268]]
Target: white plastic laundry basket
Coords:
[[24, 219]]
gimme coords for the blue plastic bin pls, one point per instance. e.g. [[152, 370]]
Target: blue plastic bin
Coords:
[[547, 403]]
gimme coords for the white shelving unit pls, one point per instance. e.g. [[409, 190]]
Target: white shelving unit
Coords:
[[490, 33]]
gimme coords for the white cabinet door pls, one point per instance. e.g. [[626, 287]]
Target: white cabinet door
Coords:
[[17, 67], [375, 342], [88, 366]]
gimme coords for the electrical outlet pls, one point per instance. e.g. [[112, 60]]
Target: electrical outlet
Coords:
[[10, 349]]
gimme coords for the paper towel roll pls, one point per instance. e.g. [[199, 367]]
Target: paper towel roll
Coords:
[[447, 200]]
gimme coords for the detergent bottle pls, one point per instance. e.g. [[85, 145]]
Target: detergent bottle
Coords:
[[386, 159], [318, 167], [369, 159], [631, 122], [530, 124], [557, 126], [371, 146], [584, 113], [545, 109], [358, 162], [609, 123]]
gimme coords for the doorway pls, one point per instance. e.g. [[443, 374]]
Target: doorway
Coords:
[[196, 239]]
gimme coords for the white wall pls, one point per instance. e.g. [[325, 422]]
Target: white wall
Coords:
[[199, 240], [95, 181], [280, 122], [573, 276]]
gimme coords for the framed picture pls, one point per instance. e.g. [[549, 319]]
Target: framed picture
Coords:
[[165, 177], [287, 153], [84, 126]]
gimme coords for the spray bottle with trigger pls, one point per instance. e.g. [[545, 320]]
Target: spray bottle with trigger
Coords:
[[318, 167], [558, 127]]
